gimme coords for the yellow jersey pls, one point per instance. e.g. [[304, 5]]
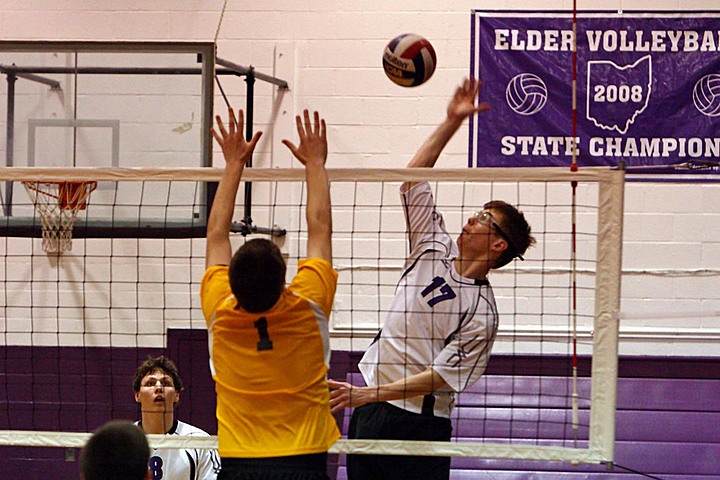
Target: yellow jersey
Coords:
[[270, 368]]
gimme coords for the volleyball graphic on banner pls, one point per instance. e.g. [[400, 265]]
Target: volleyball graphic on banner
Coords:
[[409, 60], [526, 94], [706, 95]]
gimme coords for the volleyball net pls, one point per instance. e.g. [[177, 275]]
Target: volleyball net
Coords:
[[78, 320]]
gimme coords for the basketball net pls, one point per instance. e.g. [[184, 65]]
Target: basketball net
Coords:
[[58, 204]]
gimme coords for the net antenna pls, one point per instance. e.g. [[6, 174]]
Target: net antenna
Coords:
[[573, 241], [58, 204]]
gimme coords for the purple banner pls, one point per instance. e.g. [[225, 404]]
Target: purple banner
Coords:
[[648, 89]]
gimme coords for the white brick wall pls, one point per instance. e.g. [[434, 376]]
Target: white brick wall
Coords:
[[329, 51]]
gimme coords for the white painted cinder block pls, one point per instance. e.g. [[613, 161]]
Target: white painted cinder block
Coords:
[[330, 53]]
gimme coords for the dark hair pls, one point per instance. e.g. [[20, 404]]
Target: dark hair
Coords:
[[161, 363], [118, 450], [515, 227], [257, 275]]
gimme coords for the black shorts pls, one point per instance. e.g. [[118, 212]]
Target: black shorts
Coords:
[[388, 422], [296, 467]]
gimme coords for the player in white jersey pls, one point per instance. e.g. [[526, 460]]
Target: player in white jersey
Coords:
[[157, 386], [437, 338]]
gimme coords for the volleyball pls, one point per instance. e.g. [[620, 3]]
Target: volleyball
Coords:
[[706, 95], [409, 60], [526, 94]]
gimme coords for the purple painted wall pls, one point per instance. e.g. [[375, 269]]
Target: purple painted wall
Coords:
[[78, 389]]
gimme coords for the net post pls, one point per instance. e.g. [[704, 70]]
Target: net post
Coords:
[[607, 306]]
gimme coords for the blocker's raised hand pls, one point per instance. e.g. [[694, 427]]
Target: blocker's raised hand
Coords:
[[236, 150], [313, 148]]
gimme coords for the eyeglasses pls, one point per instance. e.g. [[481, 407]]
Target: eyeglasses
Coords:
[[486, 218]]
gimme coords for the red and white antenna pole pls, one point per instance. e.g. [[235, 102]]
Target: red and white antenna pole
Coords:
[[573, 254]]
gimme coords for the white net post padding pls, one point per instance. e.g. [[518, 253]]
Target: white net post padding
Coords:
[[58, 204], [607, 316]]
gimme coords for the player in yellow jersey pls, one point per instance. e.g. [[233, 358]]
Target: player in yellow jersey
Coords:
[[269, 349]]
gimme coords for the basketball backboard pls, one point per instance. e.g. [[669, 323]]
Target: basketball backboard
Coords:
[[109, 105]]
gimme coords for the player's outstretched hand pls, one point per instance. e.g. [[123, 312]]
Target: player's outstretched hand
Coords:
[[462, 105], [346, 395], [313, 148], [236, 150], [339, 395]]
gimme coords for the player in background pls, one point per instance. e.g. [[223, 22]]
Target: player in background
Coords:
[[157, 387], [116, 451], [269, 348], [437, 337]]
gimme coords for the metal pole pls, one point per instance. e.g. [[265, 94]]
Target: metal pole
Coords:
[[249, 106], [245, 70], [29, 73], [10, 141], [246, 226]]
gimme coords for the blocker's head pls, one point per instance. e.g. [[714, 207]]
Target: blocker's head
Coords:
[[257, 275]]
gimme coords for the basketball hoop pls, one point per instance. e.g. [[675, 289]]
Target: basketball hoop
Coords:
[[58, 204]]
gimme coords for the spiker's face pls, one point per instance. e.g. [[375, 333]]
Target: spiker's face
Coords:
[[479, 237]]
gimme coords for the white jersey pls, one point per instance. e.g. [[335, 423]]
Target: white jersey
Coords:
[[438, 318], [184, 464]]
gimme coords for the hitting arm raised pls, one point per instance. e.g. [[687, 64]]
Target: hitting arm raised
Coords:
[[343, 394], [461, 106]]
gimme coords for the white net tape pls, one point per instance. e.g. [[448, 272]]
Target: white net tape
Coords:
[[58, 204]]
